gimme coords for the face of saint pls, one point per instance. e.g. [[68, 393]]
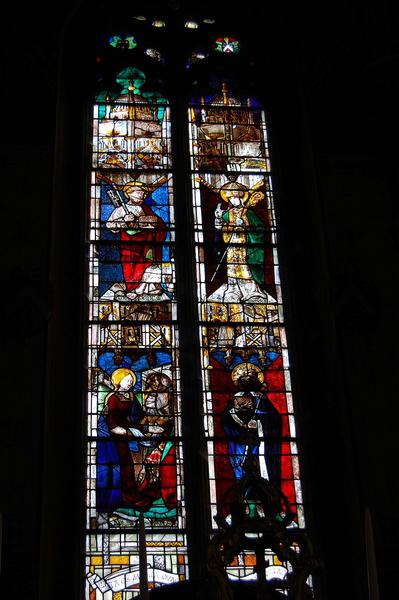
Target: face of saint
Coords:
[[126, 383], [136, 195], [235, 198]]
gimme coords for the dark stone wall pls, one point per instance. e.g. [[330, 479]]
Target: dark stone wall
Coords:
[[331, 74]]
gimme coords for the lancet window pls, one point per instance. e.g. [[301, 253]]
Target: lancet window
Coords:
[[136, 505]]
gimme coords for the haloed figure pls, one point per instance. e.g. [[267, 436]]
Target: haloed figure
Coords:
[[136, 463], [141, 234], [252, 426], [117, 484], [243, 233]]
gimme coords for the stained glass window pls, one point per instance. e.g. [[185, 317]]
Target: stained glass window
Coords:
[[248, 410], [135, 455], [136, 496], [123, 41], [227, 45]]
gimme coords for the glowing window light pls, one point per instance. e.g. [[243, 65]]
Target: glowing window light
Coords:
[[196, 57], [153, 53], [229, 45], [126, 41]]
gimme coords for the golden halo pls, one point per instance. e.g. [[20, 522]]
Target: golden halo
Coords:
[[119, 374], [246, 369], [135, 184], [233, 186]]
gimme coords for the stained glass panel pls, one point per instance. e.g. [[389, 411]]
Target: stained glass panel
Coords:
[[125, 41], [227, 44], [131, 129], [133, 388], [248, 408]]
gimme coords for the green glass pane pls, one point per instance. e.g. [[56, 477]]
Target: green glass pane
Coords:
[[130, 76], [128, 42]]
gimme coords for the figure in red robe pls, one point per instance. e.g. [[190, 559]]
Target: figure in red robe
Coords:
[[136, 462], [141, 235]]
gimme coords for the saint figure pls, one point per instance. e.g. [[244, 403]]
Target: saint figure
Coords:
[[243, 232], [141, 234]]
